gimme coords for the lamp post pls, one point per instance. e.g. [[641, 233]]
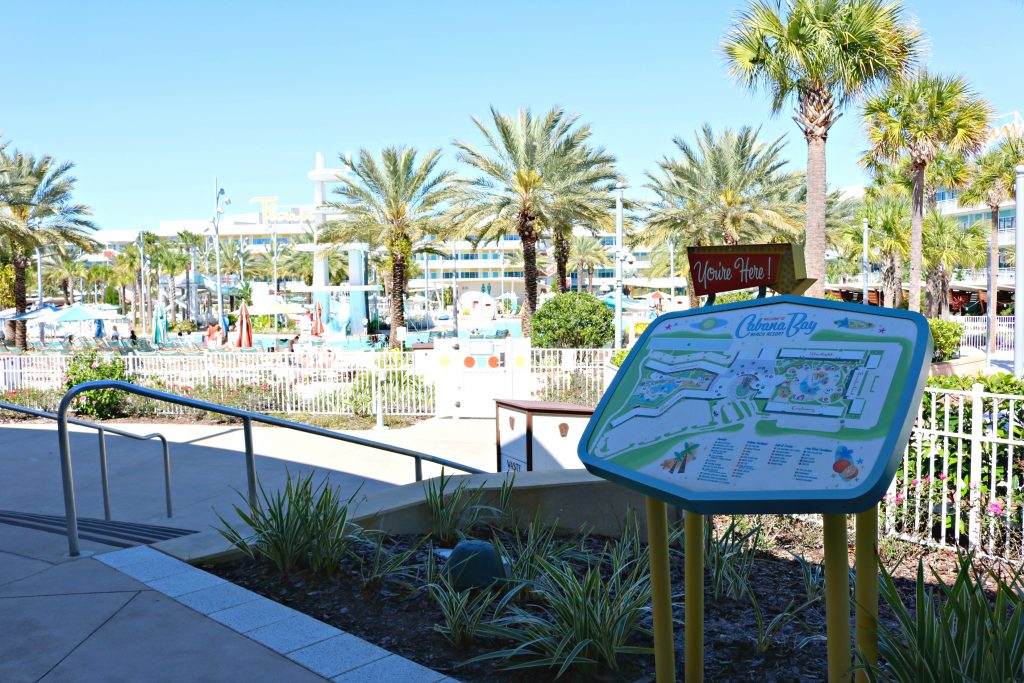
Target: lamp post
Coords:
[[142, 281], [619, 256], [220, 200], [39, 286], [671, 270], [864, 263], [273, 245], [1018, 281]]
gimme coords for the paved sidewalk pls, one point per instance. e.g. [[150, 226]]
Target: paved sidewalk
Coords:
[[80, 620], [207, 466]]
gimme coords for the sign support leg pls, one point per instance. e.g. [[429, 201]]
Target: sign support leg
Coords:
[[866, 594], [694, 577], [837, 598], [661, 591]]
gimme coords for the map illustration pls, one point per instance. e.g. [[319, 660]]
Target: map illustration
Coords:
[[775, 398]]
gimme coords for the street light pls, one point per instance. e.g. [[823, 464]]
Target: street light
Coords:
[[220, 200], [619, 257], [1018, 283]]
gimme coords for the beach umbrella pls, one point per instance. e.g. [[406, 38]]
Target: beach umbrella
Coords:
[[244, 328], [318, 321], [76, 313], [159, 324]]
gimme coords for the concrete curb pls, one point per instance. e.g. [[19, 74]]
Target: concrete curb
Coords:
[[319, 647]]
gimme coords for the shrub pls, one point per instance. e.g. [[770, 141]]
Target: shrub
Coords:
[[618, 357], [184, 326], [87, 366], [946, 335], [463, 611], [573, 320], [395, 385], [584, 622], [954, 632], [453, 514], [733, 297], [40, 399], [301, 526]]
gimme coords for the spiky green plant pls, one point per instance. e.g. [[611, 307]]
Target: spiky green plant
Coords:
[[455, 512]]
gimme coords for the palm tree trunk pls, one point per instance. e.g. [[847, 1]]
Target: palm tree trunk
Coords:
[[171, 291], [916, 223], [562, 259], [579, 276], [933, 293], [397, 296], [815, 237], [528, 237], [992, 310], [64, 287], [20, 264], [136, 298]]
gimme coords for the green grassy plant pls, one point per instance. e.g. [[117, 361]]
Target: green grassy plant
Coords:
[[464, 612], [813, 576], [730, 557], [954, 632], [380, 564], [455, 512], [767, 632], [300, 527], [577, 622]]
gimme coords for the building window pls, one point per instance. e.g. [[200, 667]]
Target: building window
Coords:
[[514, 273], [605, 272], [608, 241], [1006, 223], [511, 238]]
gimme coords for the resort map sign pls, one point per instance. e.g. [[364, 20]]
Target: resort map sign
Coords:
[[783, 404]]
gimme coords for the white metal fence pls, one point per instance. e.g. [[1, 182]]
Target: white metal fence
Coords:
[[960, 481], [345, 383], [975, 334], [568, 375]]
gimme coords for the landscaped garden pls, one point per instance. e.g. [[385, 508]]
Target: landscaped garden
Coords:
[[533, 601]]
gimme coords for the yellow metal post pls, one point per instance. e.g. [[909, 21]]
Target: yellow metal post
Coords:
[[837, 598], [866, 594], [661, 591], [694, 577]]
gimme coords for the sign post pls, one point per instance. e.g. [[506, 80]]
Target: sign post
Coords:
[[772, 406]]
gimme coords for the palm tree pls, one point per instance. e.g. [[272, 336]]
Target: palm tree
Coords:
[[123, 275], [393, 202], [536, 172], [99, 276], [297, 263], [888, 215], [991, 184], [819, 55], [61, 268], [171, 260], [36, 210], [128, 267], [918, 117], [587, 254], [190, 243], [728, 188], [946, 247], [237, 257]]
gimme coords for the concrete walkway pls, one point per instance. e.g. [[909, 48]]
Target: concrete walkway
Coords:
[[208, 468], [83, 620]]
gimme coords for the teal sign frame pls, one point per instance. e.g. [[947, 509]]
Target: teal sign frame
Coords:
[[795, 405]]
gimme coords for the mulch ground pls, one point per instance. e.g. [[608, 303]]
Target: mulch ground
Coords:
[[403, 622]]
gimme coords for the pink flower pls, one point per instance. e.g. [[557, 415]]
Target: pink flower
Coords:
[[914, 483], [940, 477], [995, 509], [900, 498], [95, 364], [927, 479]]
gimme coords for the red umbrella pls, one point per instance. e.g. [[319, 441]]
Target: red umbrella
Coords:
[[318, 321], [244, 328]]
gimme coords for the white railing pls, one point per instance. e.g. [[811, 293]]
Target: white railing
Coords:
[[568, 375], [344, 383], [960, 481], [975, 333]]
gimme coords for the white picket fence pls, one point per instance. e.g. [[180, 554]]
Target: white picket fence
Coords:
[[975, 335], [568, 375], [961, 481], [343, 383]]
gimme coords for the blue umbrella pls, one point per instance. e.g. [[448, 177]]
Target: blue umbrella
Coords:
[[100, 333], [159, 324]]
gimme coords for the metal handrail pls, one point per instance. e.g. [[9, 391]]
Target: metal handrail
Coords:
[[247, 417], [102, 431]]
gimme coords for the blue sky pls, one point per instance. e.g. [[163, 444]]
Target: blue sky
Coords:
[[151, 100]]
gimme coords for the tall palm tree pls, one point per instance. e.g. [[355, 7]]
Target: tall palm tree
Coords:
[[98, 277], [946, 247], [393, 202], [992, 183], [190, 243], [534, 173], [61, 269], [237, 256], [171, 260], [122, 276], [587, 254], [296, 263], [727, 188], [888, 214], [36, 210], [918, 117], [819, 55]]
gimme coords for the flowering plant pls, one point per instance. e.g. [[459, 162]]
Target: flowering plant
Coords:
[[88, 366]]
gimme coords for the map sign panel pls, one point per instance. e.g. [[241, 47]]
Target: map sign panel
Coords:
[[786, 404]]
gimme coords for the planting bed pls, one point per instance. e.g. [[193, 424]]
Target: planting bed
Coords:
[[401, 615]]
